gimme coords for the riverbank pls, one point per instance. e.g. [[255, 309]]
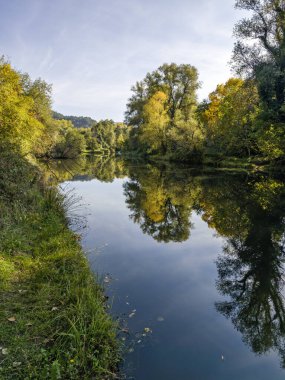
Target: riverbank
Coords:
[[216, 162], [54, 323]]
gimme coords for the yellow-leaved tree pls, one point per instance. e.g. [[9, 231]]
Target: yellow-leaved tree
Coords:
[[229, 117], [153, 132], [18, 126]]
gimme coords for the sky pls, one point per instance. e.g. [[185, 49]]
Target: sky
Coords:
[[93, 51]]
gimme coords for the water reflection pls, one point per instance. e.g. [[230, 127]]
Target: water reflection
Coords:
[[248, 211], [103, 168], [251, 270], [160, 204]]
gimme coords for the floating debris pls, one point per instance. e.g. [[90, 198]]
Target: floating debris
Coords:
[[222, 357], [160, 319], [133, 313], [107, 279], [147, 330]]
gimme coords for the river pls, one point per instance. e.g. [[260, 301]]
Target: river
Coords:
[[192, 261]]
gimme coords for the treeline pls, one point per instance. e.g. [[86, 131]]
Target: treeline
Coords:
[[244, 117], [77, 121], [26, 122], [29, 126], [106, 137]]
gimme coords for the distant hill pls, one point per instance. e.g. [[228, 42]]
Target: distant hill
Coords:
[[78, 121]]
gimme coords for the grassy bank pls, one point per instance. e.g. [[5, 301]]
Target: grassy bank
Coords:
[[53, 319]]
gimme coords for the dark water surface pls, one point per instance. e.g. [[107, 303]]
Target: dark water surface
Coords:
[[193, 263]]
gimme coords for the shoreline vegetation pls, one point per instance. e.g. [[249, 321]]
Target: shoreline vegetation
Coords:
[[54, 322]]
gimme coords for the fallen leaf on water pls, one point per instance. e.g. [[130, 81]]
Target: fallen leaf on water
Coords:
[[132, 313], [107, 279], [11, 319]]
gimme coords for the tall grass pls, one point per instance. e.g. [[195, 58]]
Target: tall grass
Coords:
[[54, 324]]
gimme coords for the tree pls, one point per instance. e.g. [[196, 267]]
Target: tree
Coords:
[[153, 131], [229, 117], [260, 52], [18, 126], [70, 143], [164, 103], [41, 93], [122, 132], [178, 82], [104, 133]]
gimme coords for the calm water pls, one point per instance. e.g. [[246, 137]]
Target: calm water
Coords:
[[193, 265]]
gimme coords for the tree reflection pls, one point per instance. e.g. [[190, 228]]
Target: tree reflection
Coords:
[[84, 168], [161, 204], [251, 270]]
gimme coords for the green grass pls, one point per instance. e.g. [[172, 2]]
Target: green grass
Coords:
[[53, 319]]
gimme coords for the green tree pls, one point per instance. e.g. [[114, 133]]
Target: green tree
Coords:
[[260, 52], [104, 133], [90, 140], [70, 143], [165, 102], [122, 132], [229, 116]]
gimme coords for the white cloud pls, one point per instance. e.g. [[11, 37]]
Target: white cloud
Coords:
[[93, 51]]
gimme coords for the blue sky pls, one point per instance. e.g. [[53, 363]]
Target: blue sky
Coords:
[[93, 51]]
